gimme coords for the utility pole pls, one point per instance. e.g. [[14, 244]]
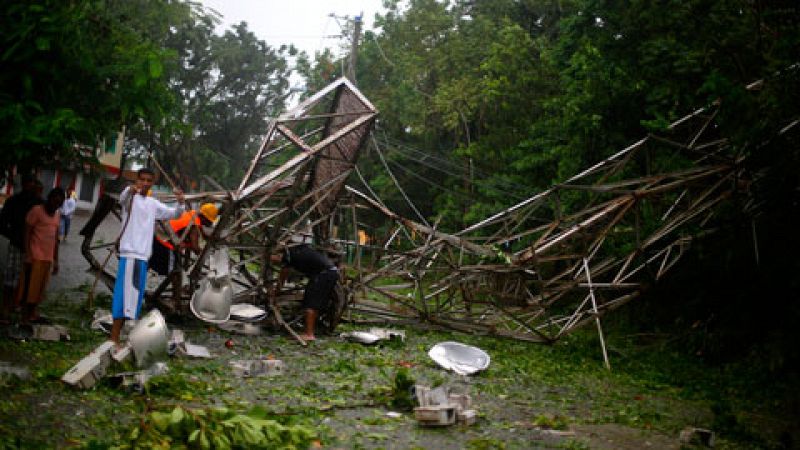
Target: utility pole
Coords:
[[351, 65]]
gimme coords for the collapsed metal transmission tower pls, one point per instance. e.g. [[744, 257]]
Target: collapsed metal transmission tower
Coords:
[[535, 271]]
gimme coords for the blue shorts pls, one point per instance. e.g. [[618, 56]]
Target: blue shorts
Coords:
[[129, 288]]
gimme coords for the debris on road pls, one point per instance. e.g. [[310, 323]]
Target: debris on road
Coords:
[[440, 407], [257, 367], [149, 339], [122, 354], [245, 328], [374, 335], [460, 358], [212, 300], [178, 345], [435, 415], [89, 370], [136, 381], [103, 320], [388, 334], [246, 312], [362, 337], [196, 351], [53, 333], [7, 370]]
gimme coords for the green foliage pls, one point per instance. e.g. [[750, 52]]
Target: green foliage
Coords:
[[551, 422], [224, 88], [401, 390], [73, 71], [217, 428]]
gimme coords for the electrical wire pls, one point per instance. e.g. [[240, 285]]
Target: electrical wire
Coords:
[[478, 170], [400, 188], [453, 169]]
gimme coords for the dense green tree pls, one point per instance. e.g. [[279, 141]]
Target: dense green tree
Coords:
[[225, 89], [73, 71]]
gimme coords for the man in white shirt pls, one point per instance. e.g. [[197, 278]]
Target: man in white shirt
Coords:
[[139, 215], [67, 209]]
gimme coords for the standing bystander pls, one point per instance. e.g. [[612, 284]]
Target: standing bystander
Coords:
[[12, 226], [40, 243], [66, 215], [139, 215]]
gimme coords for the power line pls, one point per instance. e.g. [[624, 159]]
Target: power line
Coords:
[[494, 183], [452, 169]]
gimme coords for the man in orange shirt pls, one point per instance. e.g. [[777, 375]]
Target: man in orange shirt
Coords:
[[162, 261], [40, 244]]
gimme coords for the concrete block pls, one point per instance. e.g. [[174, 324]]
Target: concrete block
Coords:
[[431, 397], [462, 402], [91, 368], [437, 416], [50, 333], [86, 373], [122, 355], [103, 352], [466, 417]]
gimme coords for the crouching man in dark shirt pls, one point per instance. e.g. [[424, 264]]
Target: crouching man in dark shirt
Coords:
[[322, 277]]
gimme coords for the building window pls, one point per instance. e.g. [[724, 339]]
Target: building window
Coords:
[[87, 188], [66, 180], [48, 179]]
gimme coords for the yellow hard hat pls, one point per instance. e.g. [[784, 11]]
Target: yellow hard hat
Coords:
[[209, 211]]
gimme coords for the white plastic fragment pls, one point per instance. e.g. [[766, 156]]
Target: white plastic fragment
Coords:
[[149, 339], [178, 345], [211, 302], [362, 337], [196, 351], [460, 358], [374, 335], [388, 334], [247, 312]]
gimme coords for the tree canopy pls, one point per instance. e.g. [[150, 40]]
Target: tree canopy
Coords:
[[75, 71]]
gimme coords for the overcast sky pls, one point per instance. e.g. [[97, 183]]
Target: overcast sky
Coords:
[[305, 23]]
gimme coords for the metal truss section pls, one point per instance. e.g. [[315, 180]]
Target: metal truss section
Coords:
[[536, 271]]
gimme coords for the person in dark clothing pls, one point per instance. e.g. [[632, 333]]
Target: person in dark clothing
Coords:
[[12, 226], [322, 277]]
